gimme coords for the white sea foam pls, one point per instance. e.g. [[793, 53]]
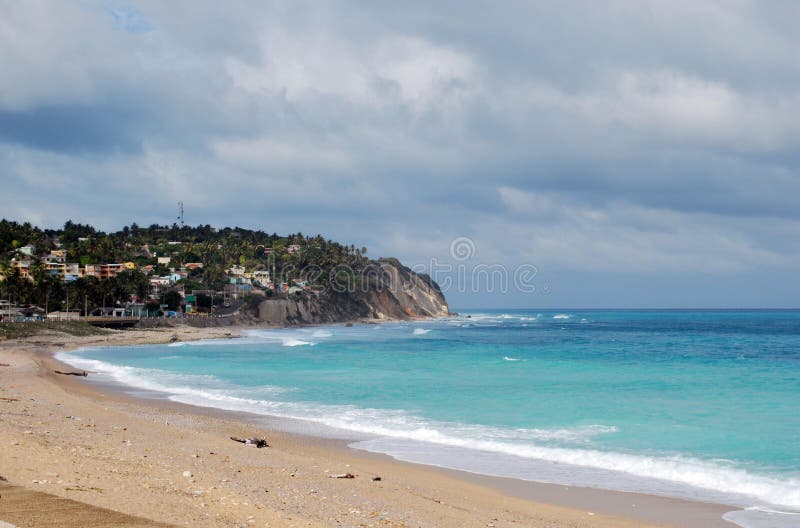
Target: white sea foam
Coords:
[[483, 319], [198, 385], [296, 342], [679, 476], [760, 517], [420, 331], [562, 316], [506, 358], [286, 338]]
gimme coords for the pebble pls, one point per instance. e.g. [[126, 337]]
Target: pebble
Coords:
[[187, 474]]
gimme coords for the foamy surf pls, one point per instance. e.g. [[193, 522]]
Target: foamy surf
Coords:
[[420, 331], [202, 386], [296, 342], [286, 338]]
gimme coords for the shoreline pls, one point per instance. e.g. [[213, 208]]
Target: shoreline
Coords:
[[471, 499]]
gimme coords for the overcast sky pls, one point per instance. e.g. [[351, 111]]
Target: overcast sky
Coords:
[[641, 153]]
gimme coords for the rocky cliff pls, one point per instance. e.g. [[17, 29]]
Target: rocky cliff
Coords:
[[385, 290]]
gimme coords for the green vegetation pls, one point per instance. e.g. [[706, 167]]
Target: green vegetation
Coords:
[[22, 330], [287, 258]]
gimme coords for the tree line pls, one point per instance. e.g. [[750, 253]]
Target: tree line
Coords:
[[317, 260]]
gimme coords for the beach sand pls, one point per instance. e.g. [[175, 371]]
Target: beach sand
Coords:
[[62, 436]]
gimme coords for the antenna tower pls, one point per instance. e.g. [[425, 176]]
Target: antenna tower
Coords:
[[180, 213]]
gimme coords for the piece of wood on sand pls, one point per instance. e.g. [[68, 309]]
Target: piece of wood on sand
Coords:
[[82, 373], [251, 442]]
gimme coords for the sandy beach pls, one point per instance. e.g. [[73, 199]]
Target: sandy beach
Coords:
[[175, 464]]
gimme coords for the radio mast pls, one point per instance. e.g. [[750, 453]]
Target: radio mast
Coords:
[[180, 213]]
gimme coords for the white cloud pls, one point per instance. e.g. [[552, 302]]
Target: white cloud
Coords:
[[676, 103], [306, 66], [301, 66], [422, 70]]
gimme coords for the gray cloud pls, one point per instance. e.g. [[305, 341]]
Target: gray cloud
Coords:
[[646, 137], [77, 129]]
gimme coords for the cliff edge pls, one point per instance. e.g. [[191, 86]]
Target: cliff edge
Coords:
[[385, 290]]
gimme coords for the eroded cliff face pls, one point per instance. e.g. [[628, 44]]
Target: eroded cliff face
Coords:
[[389, 291], [405, 294]]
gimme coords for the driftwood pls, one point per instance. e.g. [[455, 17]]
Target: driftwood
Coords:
[[4, 365], [81, 373], [8, 399], [252, 442], [343, 475], [376, 479]]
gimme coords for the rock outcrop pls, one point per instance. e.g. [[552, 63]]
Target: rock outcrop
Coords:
[[386, 290]]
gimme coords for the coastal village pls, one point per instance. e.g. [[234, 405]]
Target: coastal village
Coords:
[[168, 283]]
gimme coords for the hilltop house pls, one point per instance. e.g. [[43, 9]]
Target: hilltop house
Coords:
[[23, 266], [57, 255], [68, 271], [107, 271], [262, 278]]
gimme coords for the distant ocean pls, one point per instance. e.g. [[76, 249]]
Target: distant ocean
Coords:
[[692, 404]]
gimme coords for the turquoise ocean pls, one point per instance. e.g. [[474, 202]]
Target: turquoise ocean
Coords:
[[703, 405]]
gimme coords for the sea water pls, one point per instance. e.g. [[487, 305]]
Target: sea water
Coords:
[[691, 404]]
